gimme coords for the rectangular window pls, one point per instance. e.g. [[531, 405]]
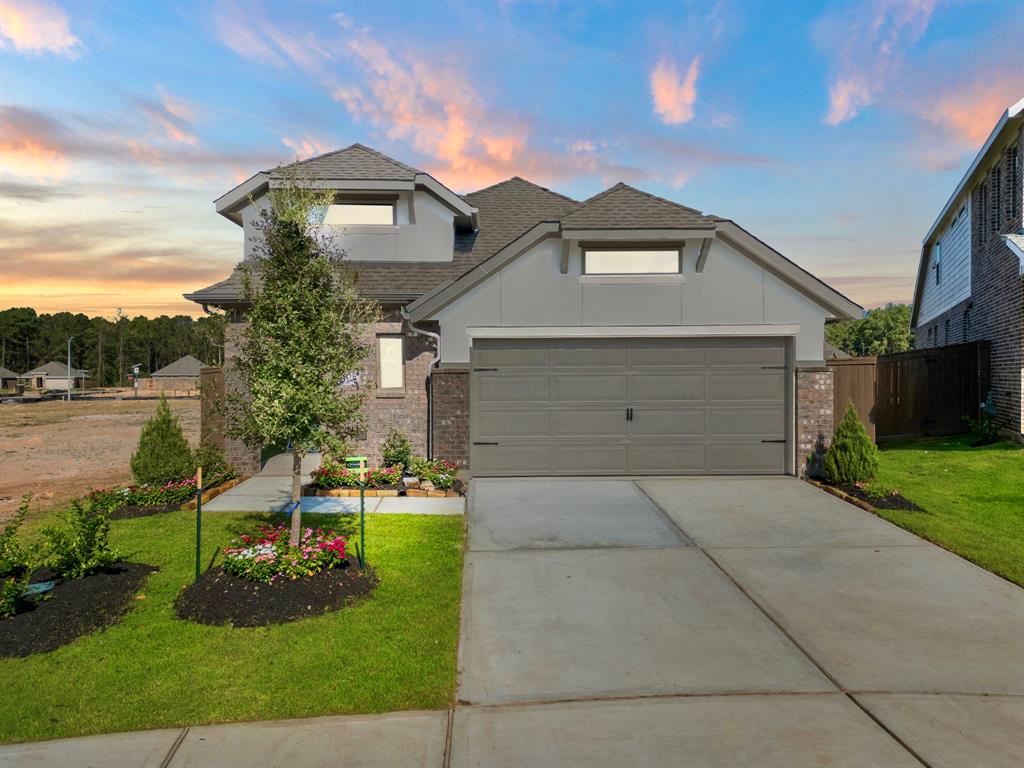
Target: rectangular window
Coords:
[[937, 261], [983, 211], [358, 214], [391, 352], [1015, 186], [998, 203], [661, 261]]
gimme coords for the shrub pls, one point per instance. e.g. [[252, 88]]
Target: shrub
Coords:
[[333, 474], [266, 555], [108, 500], [80, 546], [14, 559], [396, 450], [216, 468], [163, 453], [384, 477], [852, 457], [440, 472], [11, 591]]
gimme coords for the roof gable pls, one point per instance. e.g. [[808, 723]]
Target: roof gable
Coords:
[[355, 162], [55, 369], [625, 207], [183, 366]]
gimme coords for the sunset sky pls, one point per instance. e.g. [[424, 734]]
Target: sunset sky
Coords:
[[834, 131]]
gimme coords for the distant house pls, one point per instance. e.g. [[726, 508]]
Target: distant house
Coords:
[[54, 375], [181, 376], [970, 278], [8, 378]]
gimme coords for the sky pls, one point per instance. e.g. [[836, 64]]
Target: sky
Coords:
[[833, 131]]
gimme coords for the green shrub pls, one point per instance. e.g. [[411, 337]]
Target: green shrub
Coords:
[[11, 590], [851, 457], [396, 450], [440, 472], [14, 559], [216, 468], [80, 546], [163, 454]]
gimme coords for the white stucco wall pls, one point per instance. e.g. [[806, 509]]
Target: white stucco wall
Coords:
[[430, 238], [937, 297], [531, 291]]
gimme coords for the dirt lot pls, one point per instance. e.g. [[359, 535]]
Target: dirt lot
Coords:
[[58, 450]]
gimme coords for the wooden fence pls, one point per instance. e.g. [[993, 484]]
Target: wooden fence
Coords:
[[922, 393]]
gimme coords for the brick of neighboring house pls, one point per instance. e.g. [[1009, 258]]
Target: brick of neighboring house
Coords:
[[814, 425], [995, 310], [451, 415]]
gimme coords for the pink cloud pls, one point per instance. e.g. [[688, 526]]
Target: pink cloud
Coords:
[[172, 115], [244, 30], [966, 111], [868, 42], [306, 146], [36, 27], [674, 96]]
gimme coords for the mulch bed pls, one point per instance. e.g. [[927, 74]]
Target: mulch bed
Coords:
[[74, 608], [125, 513], [894, 501], [219, 597]]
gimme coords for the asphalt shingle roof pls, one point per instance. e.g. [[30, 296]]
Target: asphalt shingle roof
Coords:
[[183, 366], [356, 162], [7, 373], [57, 370], [625, 207]]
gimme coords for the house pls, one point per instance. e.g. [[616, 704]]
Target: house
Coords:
[[180, 376], [970, 277], [54, 375], [8, 378], [528, 333]]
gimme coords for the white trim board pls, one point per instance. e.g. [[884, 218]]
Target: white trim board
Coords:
[[630, 331]]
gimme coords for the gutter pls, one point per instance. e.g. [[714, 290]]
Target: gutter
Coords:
[[430, 380]]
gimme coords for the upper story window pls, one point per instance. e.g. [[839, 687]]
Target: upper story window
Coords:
[[356, 214], [1015, 185], [624, 261], [937, 261]]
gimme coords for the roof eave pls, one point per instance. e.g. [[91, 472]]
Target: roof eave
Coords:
[[230, 204]]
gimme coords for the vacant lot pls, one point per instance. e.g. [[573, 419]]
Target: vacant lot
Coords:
[[58, 450]]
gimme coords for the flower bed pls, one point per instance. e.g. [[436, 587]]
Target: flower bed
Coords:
[[140, 500], [267, 556], [333, 478]]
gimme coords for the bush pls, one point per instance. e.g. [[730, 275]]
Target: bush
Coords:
[[440, 472], [14, 559], [333, 474], [79, 547], [108, 500], [266, 555], [11, 591], [163, 454], [216, 468], [852, 457], [384, 477], [396, 450]]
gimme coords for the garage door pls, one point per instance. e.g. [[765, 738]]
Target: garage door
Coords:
[[638, 406]]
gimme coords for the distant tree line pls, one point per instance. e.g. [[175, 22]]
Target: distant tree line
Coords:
[[882, 331], [107, 349]]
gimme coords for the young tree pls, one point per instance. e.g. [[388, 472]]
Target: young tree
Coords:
[[305, 336], [163, 454]]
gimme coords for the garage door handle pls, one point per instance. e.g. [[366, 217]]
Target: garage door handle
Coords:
[[484, 369], [477, 442], [773, 441]]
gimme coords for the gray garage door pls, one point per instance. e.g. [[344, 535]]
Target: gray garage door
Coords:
[[654, 406]]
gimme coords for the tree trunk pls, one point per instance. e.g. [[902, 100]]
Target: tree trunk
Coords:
[[296, 497]]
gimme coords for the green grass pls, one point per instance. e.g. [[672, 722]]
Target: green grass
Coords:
[[396, 650], [973, 498]]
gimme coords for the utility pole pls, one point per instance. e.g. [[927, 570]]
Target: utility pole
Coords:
[[70, 380]]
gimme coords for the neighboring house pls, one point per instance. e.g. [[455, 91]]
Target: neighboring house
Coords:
[[527, 333], [180, 376], [54, 375], [970, 278], [8, 378]]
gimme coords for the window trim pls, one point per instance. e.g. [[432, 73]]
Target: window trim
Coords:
[[380, 362], [586, 248]]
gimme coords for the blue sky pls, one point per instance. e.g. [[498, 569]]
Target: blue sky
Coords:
[[833, 131]]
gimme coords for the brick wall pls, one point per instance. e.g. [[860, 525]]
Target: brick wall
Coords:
[[813, 416], [245, 458], [451, 415]]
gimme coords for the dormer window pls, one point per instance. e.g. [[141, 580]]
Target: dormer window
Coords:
[[357, 214], [632, 261]]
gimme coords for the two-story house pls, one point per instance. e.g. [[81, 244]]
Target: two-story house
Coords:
[[970, 278], [527, 333]]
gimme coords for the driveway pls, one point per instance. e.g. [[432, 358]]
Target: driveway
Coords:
[[725, 621]]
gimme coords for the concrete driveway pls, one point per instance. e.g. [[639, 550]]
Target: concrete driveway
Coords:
[[725, 621]]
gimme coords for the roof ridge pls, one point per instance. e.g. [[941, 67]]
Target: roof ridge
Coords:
[[355, 145], [551, 192], [623, 185]]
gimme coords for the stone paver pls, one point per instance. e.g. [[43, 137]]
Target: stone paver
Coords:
[[565, 624], [768, 512], [539, 514], [951, 731], [727, 731], [142, 749], [891, 618], [405, 740]]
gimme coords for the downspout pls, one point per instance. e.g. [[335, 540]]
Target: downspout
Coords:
[[430, 381]]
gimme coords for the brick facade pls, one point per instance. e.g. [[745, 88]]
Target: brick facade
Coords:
[[814, 427], [995, 310], [245, 458], [451, 415]]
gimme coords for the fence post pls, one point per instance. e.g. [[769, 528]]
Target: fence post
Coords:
[[199, 517]]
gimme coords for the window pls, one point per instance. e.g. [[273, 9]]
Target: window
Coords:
[[356, 214], [997, 180], [663, 261], [947, 330], [982, 211], [937, 261], [391, 352], [967, 323], [1015, 210]]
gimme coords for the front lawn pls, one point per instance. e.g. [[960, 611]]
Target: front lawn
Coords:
[[396, 650], [973, 498]]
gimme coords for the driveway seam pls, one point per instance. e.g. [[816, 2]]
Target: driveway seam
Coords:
[[174, 747], [842, 689]]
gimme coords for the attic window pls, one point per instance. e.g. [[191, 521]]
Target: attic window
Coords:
[[358, 214], [661, 261]]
